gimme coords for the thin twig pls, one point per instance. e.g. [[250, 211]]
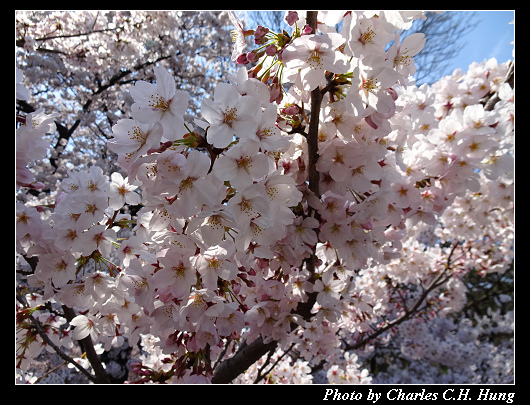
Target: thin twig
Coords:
[[46, 374], [222, 354], [44, 336], [494, 99], [267, 361], [439, 280], [261, 377]]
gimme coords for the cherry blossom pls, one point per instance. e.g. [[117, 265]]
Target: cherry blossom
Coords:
[[238, 35], [176, 273], [132, 139], [160, 103], [121, 192], [365, 36], [321, 206], [57, 267], [402, 52], [328, 289], [312, 55], [242, 165], [84, 326], [216, 262], [229, 115]]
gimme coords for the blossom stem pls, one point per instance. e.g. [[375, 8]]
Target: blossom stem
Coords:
[[269, 68], [233, 295]]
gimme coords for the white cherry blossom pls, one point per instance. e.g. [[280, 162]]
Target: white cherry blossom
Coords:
[[161, 103], [229, 115]]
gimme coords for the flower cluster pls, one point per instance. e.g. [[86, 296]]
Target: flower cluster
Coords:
[[229, 241], [457, 352], [30, 142]]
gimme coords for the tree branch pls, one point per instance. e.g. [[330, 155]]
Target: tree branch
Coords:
[[44, 336], [66, 133], [262, 376], [438, 281], [88, 347], [249, 354], [80, 34], [243, 359], [312, 136], [86, 343]]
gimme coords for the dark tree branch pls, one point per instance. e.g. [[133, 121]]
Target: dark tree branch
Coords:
[[66, 133], [86, 343], [312, 136], [44, 336], [80, 34], [243, 359], [249, 354], [262, 376], [439, 280], [88, 347]]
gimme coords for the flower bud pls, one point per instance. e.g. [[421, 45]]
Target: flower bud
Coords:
[[259, 35], [252, 57], [271, 50], [291, 110], [242, 59], [291, 17], [307, 30]]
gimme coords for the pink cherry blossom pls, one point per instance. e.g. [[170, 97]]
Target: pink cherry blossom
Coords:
[[216, 262], [161, 103], [241, 165], [312, 55], [322, 216], [121, 192], [177, 273], [84, 326], [133, 139], [366, 36], [229, 115]]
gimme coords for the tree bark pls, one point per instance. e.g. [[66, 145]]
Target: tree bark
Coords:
[[243, 359], [249, 354], [88, 347], [312, 136]]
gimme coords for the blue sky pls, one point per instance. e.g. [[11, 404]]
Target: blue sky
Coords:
[[491, 38]]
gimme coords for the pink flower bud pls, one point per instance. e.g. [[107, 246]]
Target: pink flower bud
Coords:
[[136, 367], [259, 34], [271, 50], [276, 93], [307, 30], [291, 17], [367, 226], [242, 59], [252, 57], [291, 110]]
